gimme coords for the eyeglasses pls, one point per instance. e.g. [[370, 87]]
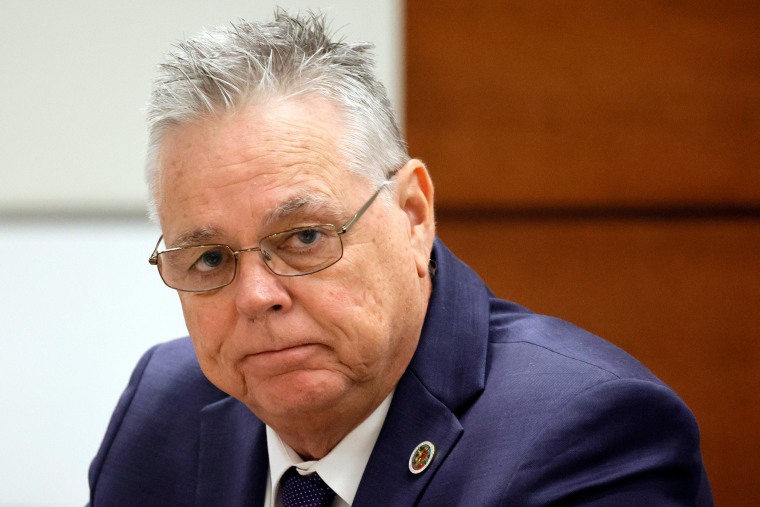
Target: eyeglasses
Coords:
[[295, 252]]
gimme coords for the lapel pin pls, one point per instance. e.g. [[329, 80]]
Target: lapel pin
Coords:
[[421, 457]]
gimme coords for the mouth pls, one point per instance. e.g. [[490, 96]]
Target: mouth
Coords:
[[296, 357]]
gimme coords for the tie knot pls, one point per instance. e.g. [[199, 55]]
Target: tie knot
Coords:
[[305, 490]]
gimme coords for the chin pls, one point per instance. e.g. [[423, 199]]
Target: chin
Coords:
[[308, 392]]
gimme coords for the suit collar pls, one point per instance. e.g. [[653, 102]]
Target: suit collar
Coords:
[[447, 373], [454, 339]]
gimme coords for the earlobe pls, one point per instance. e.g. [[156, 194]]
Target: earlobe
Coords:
[[416, 199]]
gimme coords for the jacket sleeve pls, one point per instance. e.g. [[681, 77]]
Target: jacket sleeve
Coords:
[[116, 419], [623, 442]]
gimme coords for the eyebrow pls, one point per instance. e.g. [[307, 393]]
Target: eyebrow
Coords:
[[303, 203], [195, 237], [299, 204]]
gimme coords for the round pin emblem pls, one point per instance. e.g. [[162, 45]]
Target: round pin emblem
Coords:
[[421, 457]]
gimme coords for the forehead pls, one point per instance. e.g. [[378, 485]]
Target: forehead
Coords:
[[273, 136], [267, 156]]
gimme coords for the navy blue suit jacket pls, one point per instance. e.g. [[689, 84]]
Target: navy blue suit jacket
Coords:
[[523, 410]]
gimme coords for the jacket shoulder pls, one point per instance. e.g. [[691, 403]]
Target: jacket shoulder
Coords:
[[570, 418], [541, 341], [152, 438]]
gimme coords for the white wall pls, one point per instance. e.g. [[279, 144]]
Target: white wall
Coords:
[[79, 305], [76, 74], [79, 302]]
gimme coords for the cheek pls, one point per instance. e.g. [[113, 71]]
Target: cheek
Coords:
[[205, 318], [207, 324], [367, 310], [211, 326], [347, 312]]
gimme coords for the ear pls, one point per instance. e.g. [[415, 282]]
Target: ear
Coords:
[[415, 194]]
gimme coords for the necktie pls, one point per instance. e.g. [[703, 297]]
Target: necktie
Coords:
[[305, 490]]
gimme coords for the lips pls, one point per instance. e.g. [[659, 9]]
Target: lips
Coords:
[[297, 357]]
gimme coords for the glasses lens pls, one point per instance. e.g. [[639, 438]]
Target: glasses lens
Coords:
[[302, 251], [197, 269]]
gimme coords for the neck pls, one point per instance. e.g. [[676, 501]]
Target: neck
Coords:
[[316, 439]]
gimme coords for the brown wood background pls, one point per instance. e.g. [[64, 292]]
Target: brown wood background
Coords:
[[600, 161]]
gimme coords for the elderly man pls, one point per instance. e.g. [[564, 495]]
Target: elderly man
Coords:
[[339, 354]]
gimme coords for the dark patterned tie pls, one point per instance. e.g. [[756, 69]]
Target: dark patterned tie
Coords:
[[305, 490]]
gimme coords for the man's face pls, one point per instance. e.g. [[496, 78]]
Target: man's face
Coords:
[[323, 347]]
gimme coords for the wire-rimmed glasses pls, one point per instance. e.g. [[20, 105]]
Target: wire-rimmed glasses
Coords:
[[295, 252]]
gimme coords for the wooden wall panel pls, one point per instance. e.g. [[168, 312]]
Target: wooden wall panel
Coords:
[[681, 296], [600, 161], [594, 103]]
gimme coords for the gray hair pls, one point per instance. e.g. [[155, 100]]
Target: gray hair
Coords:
[[225, 68]]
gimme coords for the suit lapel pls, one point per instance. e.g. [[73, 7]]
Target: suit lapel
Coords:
[[233, 460], [446, 374], [415, 416]]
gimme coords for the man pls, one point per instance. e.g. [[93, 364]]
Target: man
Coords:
[[337, 350]]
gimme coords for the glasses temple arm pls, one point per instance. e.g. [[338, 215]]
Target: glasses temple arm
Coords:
[[364, 208], [153, 260]]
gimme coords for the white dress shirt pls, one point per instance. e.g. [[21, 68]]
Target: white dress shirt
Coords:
[[341, 468]]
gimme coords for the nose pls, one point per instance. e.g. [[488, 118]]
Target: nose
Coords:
[[258, 290]]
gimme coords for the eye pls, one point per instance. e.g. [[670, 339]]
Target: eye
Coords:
[[297, 242], [302, 250], [308, 236], [210, 260]]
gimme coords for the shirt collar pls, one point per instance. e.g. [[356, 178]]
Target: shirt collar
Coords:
[[342, 468]]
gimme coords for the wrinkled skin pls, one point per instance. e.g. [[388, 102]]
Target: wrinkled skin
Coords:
[[312, 356]]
